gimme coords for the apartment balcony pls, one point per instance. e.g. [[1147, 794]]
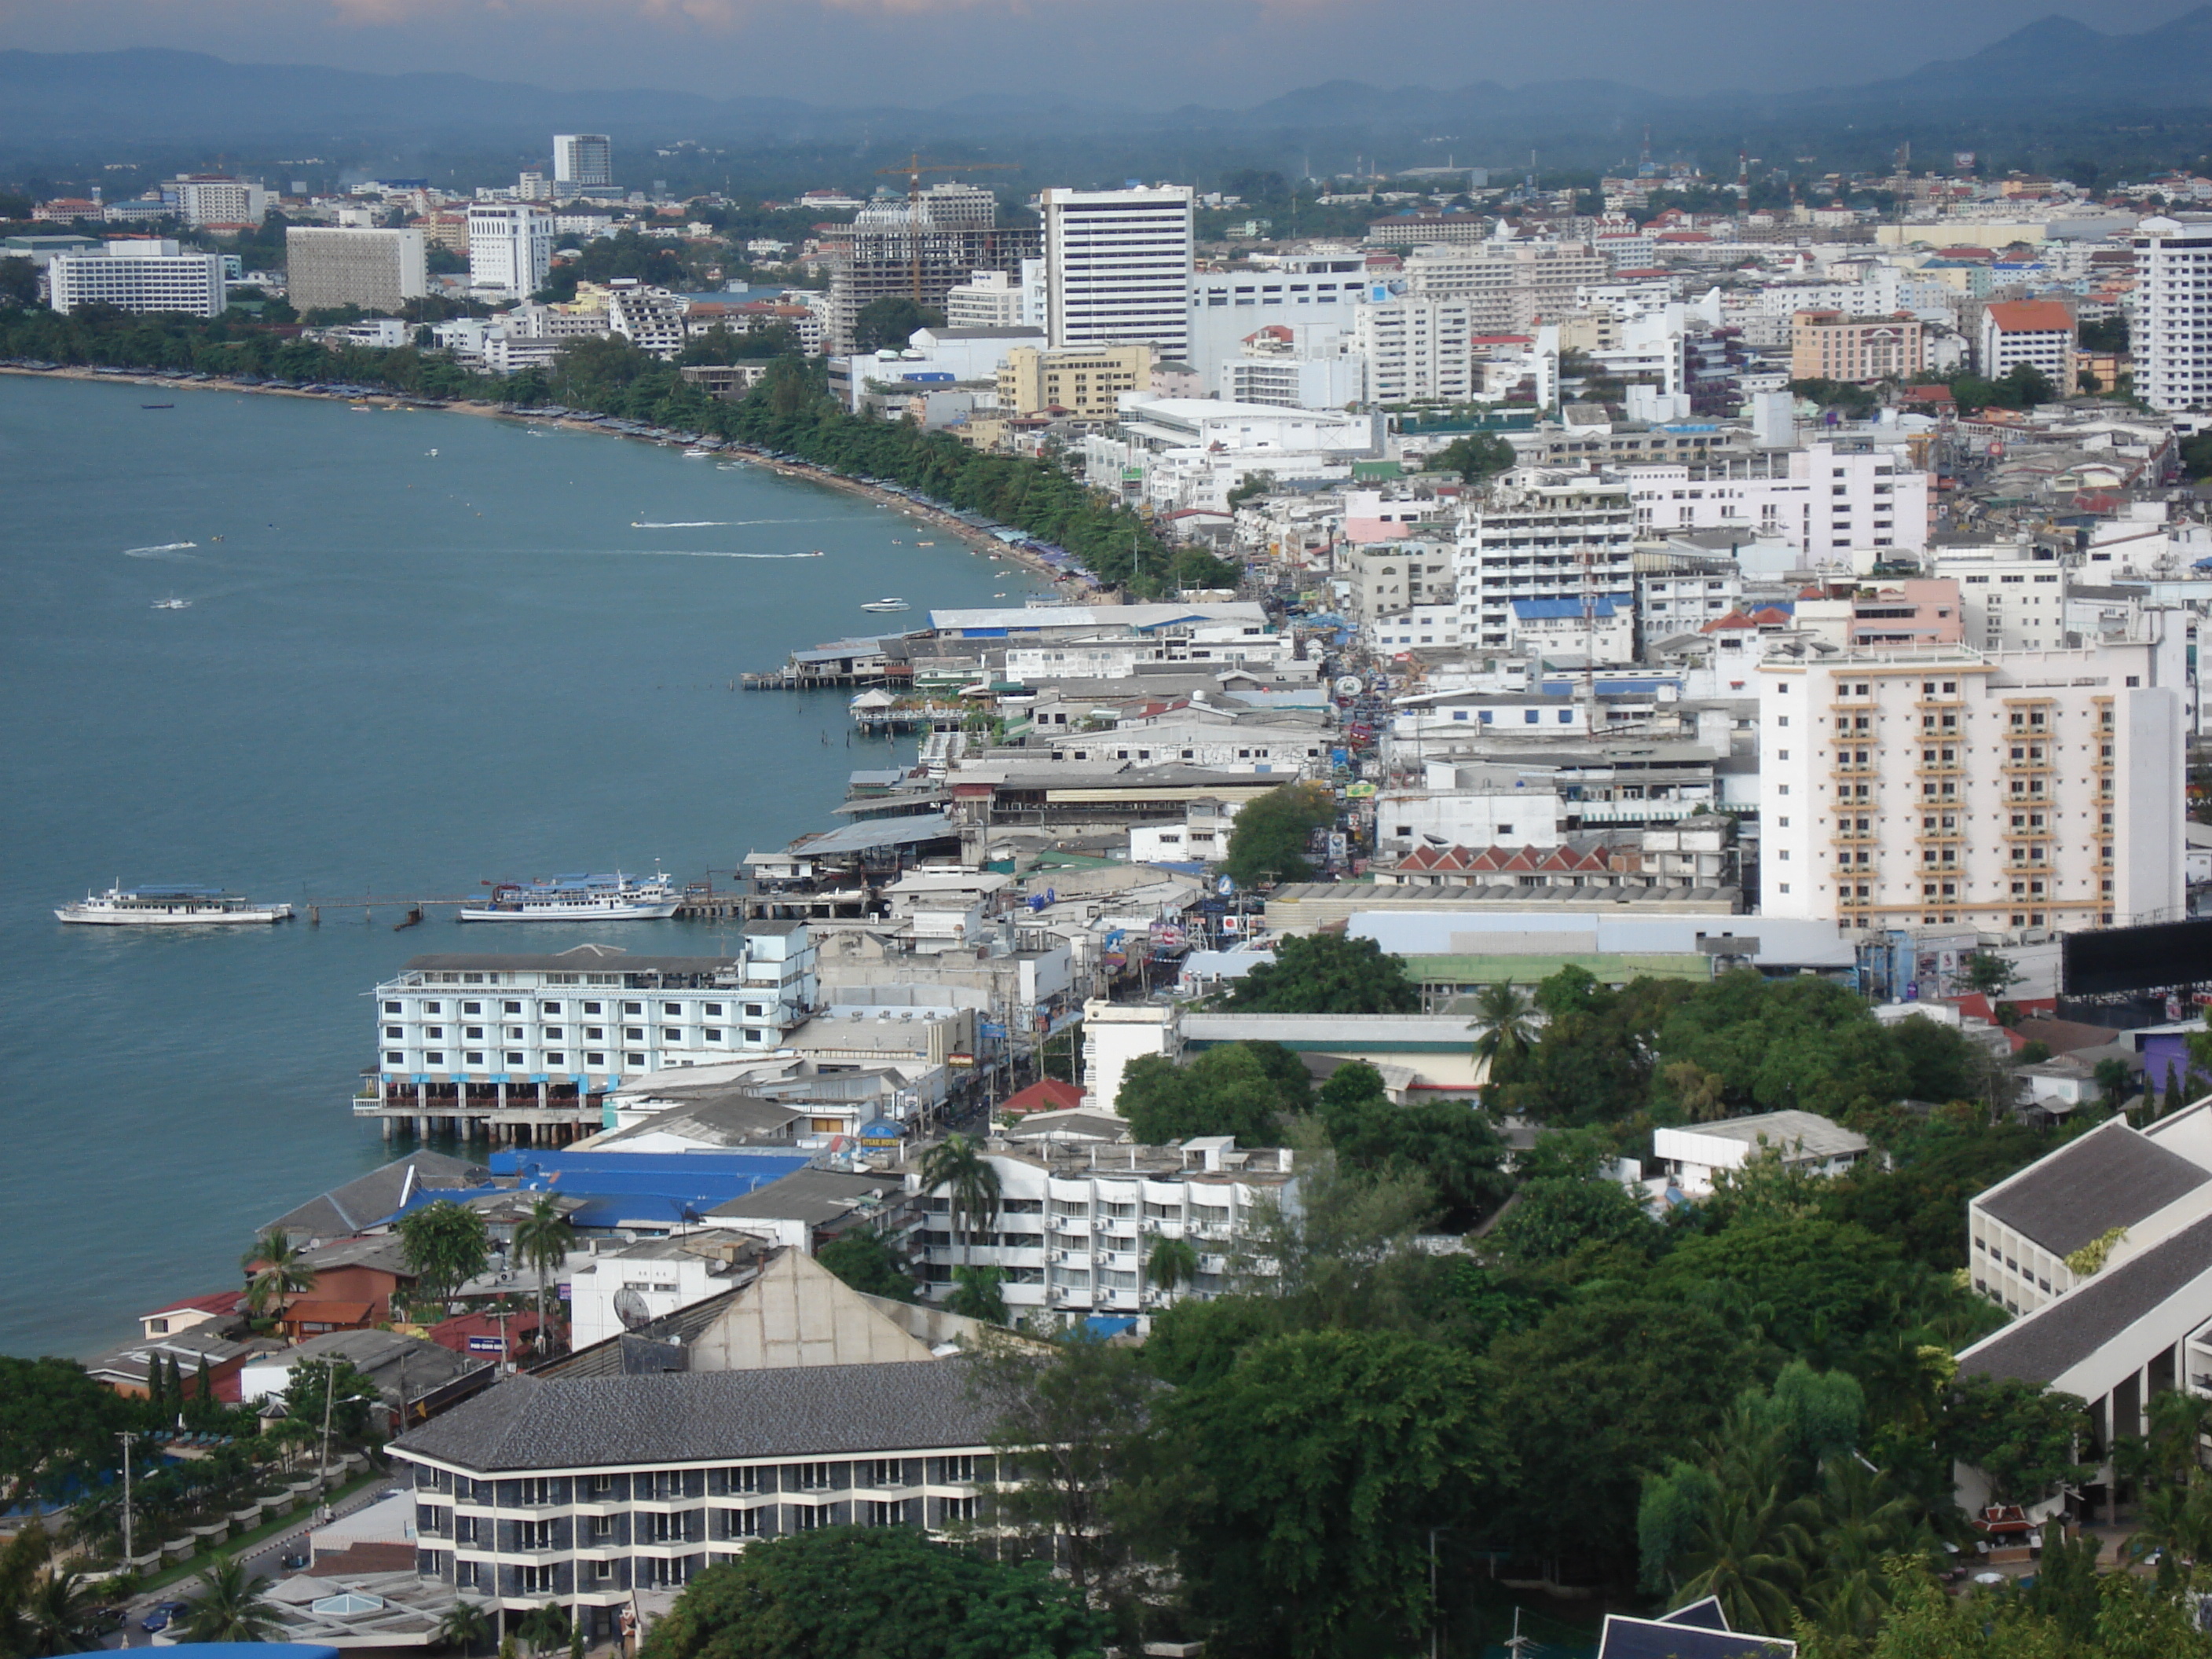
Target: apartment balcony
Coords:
[[1938, 763]]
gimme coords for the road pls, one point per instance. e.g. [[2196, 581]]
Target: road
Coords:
[[262, 1562]]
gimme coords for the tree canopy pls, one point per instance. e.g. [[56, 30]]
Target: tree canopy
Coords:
[[1327, 973], [1241, 1089], [1267, 838]]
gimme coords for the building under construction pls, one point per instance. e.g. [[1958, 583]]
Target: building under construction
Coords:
[[920, 249]]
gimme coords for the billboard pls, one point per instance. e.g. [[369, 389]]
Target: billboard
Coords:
[[2115, 959]]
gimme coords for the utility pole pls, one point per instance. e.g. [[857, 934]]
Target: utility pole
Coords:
[[126, 1436], [330, 1388]]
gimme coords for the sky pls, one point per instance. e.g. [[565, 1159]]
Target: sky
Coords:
[[1144, 53]]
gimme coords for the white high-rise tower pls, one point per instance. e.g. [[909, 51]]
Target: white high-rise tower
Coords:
[[2171, 335], [586, 160], [1117, 267]]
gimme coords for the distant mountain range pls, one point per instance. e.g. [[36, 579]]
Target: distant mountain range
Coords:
[[142, 96]]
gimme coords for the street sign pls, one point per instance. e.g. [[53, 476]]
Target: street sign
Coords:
[[960, 1060], [487, 1345]]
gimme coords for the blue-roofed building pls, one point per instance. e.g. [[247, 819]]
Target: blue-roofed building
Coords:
[[1699, 1630], [1600, 629]]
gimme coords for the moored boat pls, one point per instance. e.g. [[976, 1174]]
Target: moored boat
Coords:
[[169, 905], [614, 898]]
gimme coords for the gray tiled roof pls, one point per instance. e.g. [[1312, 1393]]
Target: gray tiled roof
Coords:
[[2061, 1334], [2111, 1177], [805, 1411], [366, 1199]]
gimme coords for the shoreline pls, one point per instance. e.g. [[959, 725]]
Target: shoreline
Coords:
[[978, 541]]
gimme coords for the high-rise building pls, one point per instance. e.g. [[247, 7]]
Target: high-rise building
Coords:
[[919, 250], [202, 199], [379, 270], [586, 160], [144, 274], [1087, 382], [2037, 332], [1118, 267], [1418, 347], [1997, 790], [1834, 345], [1551, 538], [510, 247], [2171, 333]]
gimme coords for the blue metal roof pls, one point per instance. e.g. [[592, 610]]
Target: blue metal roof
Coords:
[[1544, 609]]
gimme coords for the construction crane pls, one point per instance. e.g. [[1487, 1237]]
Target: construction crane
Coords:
[[912, 171]]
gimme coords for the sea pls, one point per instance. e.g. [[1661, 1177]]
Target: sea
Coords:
[[423, 651]]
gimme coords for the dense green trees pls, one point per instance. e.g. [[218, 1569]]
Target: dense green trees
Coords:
[[863, 1260], [445, 1245], [888, 322], [1241, 1089], [1476, 456], [1267, 840], [1327, 973], [874, 1592]]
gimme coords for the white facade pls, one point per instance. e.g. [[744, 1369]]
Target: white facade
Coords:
[[1117, 267], [510, 247], [215, 201], [1998, 790], [1543, 539], [2010, 598], [1417, 346], [327, 266], [139, 275], [1830, 500], [989, 299], [1314, 291], [1803, 1141], [583, 159], [650, 319], [2171, 332], [494, 1019]]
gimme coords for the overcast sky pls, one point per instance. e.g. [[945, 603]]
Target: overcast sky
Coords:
[[1146, 52]]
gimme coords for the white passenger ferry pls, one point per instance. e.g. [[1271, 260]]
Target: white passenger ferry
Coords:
[[617, 898], [169, 906]]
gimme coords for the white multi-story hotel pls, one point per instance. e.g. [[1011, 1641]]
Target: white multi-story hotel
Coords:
[[1418, 347], [510, 247], [1076, 1223], [1118, 266], [2171, 331], [147, 275], [209, 199], [586, 160], [1541, 536], [2012, 597], [650, 319], [479, 1039], [330, 265], [1312, 293], [1997, 790], [1826, 500]]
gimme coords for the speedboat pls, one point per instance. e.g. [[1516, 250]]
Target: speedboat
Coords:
[[883, 607], [172, 604]]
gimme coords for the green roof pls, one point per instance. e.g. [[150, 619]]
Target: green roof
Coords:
[[1528, 969]]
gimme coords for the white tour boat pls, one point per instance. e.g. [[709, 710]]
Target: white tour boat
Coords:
[[881, 605], [616, 897], [170, 906]]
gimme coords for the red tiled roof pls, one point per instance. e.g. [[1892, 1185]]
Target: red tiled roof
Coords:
[[1732, 622], [1049, 1095], [2032, 317], [218, 1303], [1771, 616], [1517, 861], [455, 1333]]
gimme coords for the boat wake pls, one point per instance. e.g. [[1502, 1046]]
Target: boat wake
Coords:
[[708, 523], [163, 551], [703, 553]]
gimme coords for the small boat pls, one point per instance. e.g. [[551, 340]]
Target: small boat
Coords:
[[695, 453], [925, 543], [157, 405], [169, 906], [616, 897], [172, 604], [886, 605]]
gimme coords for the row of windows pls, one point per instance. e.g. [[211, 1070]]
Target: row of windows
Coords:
[[672, 1010]]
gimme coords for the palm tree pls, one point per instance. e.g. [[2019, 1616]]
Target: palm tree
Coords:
[[55, 1615], [229, 1608], [465, 1626], [542, 1238], [1172, 1262], [1507, 1021], [955, 1167], [276, 1270]]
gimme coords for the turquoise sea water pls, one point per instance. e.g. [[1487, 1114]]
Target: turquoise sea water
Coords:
[[401, 672]]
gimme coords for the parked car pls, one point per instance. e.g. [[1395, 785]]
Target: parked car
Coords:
[[294, 1561], [164, 1615]]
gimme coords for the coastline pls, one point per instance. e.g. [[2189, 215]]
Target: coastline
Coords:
[[975, 540]]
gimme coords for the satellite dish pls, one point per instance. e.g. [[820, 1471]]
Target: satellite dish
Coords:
[[630, 1308], [1349, 685]]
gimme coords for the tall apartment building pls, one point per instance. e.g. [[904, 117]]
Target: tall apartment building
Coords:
[[584, 160], [202, 199], [1418, 347], [1995, 790], [989, 299], [510, 247], [1512, 286], [651, 318], [379, 270], [2011, 597], [1825, 500], [1834, 345], [2171, 331], [904, 250], [1088, 383], [2038, 332], [1546, 537], [148, 273], [1118, 267]]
